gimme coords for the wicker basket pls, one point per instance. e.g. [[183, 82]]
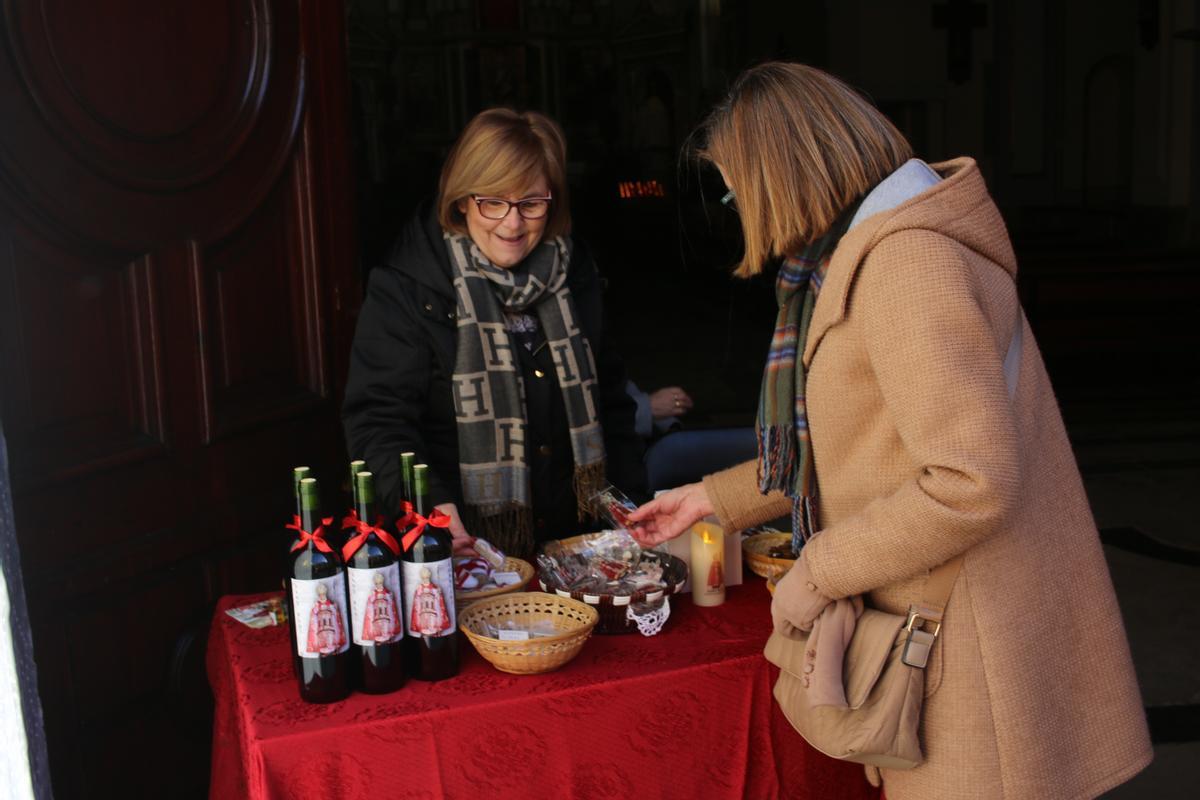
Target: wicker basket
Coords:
[[613, 608], [756, 547], [523, 568], [574, 621]]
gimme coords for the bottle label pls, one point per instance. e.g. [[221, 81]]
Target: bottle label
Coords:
[[375, 605], [429, 598], [321, 624]]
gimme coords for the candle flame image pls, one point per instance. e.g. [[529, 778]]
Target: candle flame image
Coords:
[[707, 539]]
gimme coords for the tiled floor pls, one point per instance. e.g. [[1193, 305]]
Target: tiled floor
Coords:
[[1145, 477]]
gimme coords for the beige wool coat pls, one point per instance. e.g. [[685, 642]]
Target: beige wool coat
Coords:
[[920, 455]]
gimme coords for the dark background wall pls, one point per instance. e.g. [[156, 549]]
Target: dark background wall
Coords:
[[1082, 115]]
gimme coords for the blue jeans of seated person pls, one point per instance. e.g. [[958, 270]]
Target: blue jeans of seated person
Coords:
[[687, 456]]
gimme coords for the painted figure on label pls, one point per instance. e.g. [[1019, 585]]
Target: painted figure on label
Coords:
[[381, 618], [716, 574], [429, 617], [325, 632]]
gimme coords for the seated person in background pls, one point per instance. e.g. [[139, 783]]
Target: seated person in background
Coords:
[[481, 347], [659, 411]]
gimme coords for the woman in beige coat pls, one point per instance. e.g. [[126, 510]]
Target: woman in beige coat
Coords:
[[905, 450]]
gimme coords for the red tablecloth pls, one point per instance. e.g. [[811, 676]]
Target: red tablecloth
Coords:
[[685, 714]]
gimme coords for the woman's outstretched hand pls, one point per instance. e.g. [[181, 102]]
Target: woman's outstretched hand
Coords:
[[670, 514]]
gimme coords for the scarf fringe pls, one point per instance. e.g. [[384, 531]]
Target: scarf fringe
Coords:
[[777, 456], [589, 480]]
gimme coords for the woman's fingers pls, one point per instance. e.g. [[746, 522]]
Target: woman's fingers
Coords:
[[461, 542], [669, 401], [671, 513], [463, 546], [648, 511]]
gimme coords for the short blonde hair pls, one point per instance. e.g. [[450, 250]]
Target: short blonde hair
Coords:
[[502, 150], [797, 146]]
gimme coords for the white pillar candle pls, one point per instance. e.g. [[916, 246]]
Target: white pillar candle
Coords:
[[708, 564]]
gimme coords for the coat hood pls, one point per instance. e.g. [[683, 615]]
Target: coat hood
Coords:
[[957, 207]]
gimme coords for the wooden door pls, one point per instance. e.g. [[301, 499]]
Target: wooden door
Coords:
[[175, 266]]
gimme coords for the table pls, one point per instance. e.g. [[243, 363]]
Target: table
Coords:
[[685, 714]]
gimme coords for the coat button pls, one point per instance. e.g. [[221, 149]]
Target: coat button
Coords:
[[450, 315], [429, 307], [544, 449], [808, 668], [538, 373]]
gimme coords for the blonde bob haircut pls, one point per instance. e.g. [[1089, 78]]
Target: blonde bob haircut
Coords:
[[796, 146], [500, 152]]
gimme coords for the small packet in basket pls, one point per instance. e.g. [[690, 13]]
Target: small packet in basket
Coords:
[[615, 553], [489, 553], [511, 631], [471, 574], [612, 505]]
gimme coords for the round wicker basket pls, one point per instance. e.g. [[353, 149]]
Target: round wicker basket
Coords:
[[756, 547], [573, 620], [519, 566]]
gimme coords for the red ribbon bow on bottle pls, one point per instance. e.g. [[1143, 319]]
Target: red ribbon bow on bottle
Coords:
[[365, 529], [317, 537], [438, 519]]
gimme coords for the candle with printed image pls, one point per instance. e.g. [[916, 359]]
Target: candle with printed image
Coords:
[[707, 564]]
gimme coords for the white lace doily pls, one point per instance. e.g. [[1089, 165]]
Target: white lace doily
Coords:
[[651, 622]]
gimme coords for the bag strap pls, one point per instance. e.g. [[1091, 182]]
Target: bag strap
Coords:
[[942, 578]]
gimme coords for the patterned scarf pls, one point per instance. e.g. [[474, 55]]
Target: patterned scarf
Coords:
[[785, 459], [489, 394]]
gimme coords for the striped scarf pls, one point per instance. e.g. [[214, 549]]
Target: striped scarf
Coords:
[[785, 459], [489, 395]]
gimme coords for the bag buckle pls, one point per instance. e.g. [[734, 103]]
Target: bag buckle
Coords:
[[920, 641]]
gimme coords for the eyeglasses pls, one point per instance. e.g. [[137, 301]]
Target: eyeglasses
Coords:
[[498, 207], [728, 199]]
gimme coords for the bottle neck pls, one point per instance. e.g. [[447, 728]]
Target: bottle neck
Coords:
[[421, 504], [365, 510], [310, 519]]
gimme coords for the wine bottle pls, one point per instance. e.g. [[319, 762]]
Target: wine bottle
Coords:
[[374, 576], [316, 598], [339, 538], [407, 461], [428, 573], [356, 466], [298, 474]]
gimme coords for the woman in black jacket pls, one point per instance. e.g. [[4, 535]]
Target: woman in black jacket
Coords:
[[481, 348]]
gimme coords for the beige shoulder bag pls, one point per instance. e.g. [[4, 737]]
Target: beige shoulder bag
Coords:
[[883, 670]]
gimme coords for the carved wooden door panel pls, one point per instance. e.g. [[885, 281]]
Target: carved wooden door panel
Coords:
[[175, 240]]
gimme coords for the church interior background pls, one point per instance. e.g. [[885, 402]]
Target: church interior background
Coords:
[[1084, 116]]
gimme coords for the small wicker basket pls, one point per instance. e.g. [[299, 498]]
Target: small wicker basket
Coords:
[[756, 548], [574, 621], [519, 566]]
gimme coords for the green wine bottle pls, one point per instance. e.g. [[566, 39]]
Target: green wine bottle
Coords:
[[316, 598], [429, 614], [407, 461], [372, 564], [298, 474]]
